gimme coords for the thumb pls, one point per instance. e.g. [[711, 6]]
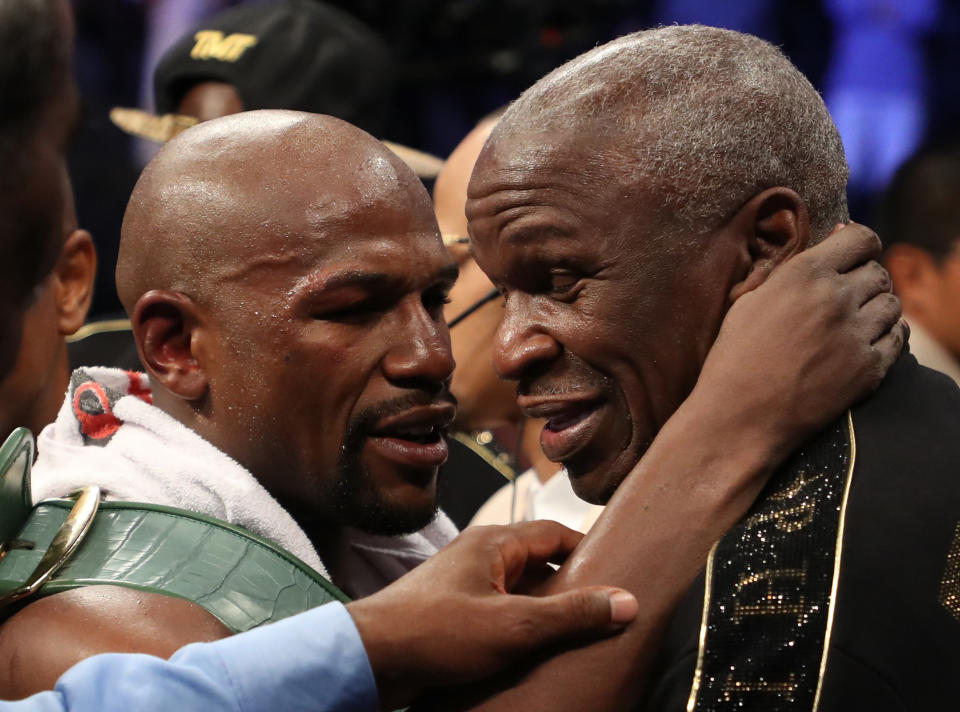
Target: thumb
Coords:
[[581, 612]]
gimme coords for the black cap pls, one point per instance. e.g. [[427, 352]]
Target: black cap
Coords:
[[296, 54]]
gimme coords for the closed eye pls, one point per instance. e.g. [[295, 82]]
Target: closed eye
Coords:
[[435, 298], [356, 312]]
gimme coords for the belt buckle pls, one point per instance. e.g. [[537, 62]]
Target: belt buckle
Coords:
[[64, 543]]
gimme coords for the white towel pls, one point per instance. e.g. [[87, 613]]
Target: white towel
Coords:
[[108, 434]]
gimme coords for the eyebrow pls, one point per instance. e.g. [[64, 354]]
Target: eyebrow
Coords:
[[366, 280], [526, 234]]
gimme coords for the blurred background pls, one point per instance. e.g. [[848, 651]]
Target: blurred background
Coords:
[[888, 69]]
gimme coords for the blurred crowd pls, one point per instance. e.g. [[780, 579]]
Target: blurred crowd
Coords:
[[455, 61]]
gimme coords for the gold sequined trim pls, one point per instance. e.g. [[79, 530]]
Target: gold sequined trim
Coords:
[[836, 562], [697, 675], [950, 585]]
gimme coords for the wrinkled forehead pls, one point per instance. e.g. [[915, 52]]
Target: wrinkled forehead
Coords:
[[545, 160], [546, 176]]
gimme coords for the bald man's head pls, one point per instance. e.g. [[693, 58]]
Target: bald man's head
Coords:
[[217, 192], [285, 278]]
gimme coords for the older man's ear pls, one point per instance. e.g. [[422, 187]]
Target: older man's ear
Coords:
[[775, 225], [74, 275]]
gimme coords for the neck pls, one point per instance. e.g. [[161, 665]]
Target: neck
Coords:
[[323, 532]]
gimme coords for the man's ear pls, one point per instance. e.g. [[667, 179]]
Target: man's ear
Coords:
[[74, 274], [164, 323], [914, 273], [776, 225]]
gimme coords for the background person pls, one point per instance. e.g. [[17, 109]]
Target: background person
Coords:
[[485, 402], [37, 116], [31, 393], [921, 227], [301, 55]]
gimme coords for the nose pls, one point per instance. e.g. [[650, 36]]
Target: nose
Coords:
[[421, 350], [521, 343]]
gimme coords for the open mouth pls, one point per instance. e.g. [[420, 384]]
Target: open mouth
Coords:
[[423, 434], [569, 419], [414, 438], [571, 424]]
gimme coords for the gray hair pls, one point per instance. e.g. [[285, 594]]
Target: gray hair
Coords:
[[712, 117]]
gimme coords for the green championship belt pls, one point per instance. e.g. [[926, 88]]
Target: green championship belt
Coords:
[[771, 583], [240, 578]]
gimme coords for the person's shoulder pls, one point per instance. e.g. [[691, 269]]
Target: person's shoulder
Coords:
[[911, 394], [47, 637]]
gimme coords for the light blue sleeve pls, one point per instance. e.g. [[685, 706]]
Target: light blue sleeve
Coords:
[[312, 661]]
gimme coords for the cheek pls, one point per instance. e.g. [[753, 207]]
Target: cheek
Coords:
[[332, 372], [40, 342]]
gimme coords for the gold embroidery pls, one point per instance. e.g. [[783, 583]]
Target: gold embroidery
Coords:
[[950, 585], [791, 519], [732, 688], [211, 44], [771, 603], [795, 487], [772, 579]]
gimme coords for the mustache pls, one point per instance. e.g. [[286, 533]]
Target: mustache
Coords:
[[569, 377], [554, 388], [366, 420]]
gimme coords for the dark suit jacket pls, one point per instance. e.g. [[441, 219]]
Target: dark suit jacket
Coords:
[[895, 641]]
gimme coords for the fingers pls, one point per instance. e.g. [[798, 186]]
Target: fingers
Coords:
[[533, 544], [846, 248], [582, 612], [881, 315], [891, 344], [867, 281]]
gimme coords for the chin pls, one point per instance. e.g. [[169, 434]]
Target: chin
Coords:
[[391, 511], [593, 488], [386, 518], [388, 502], [597, 483]]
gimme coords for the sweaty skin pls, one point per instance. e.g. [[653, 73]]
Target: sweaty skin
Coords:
[[310, 278]]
